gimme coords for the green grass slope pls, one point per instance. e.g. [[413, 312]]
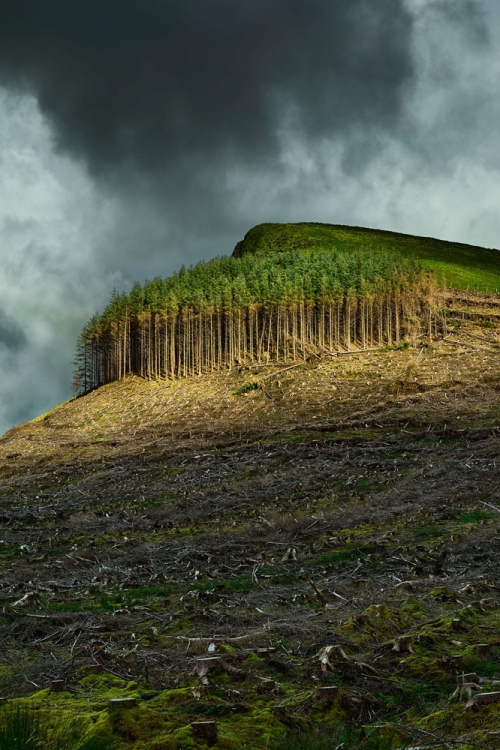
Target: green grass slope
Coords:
[[455, 264]]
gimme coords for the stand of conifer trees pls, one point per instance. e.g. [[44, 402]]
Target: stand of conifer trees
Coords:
[[256, 309]]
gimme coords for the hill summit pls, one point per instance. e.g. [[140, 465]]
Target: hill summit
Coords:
[[454, 263]]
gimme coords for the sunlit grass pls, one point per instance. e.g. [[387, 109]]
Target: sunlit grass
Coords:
[[454, 264]]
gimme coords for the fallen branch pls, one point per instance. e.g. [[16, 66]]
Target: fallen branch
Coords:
[[494, 507], [285, 369]]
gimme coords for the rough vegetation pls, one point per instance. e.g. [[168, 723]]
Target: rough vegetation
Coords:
[[299, 555]]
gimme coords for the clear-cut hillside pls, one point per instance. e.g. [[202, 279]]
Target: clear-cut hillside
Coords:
[[280, 550]]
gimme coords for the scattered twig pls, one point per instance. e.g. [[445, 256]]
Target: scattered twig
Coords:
[[489, 505]]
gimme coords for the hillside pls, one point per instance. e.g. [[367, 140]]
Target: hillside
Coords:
[[305, 554], [455, 264]]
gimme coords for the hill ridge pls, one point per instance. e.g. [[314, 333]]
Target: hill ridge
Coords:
[[368, 230]]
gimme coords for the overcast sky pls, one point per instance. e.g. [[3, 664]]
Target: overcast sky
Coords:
[[137, 135]]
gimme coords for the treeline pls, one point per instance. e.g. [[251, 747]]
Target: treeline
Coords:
[[257, 308]]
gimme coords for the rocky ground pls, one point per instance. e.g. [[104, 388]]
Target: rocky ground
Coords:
[[252, 556]]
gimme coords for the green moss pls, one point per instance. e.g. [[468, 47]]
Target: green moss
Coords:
[[252, 385], [253, 657], [434, 671], [412, 605], [103, 683], [376, 622], [48, 413], [475, 516], [486, 664], [227, 648], [138, 724], [342, 555], [173, 701], [25, 726], [429, 532]]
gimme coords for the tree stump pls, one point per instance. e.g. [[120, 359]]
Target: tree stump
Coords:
[[327, 694], [335, 653], [57, 686], [403, 645], [117, 704], [204, 666], [205, 730], [482, 699], [267, 685]]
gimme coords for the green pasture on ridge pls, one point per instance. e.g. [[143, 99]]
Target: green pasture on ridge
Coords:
[[455, 264]]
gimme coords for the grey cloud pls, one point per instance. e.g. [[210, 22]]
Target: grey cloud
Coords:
[[50, 217], [469, 14], [454, 102], [164, 85], [12, 336]]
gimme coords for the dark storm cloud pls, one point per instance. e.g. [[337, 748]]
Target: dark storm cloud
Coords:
[[12, 335], [161, 87]]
